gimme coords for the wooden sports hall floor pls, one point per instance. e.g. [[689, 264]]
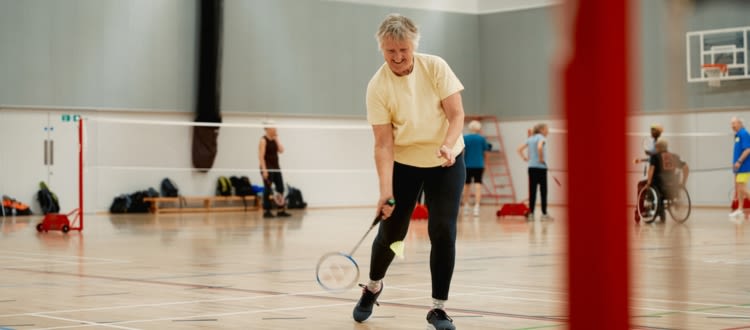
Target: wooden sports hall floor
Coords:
[[239, 271]]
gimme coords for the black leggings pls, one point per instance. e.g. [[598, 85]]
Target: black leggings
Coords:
[[442, 191], [275, 179], [537, 177]]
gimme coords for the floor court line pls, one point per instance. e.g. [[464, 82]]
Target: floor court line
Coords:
[[348, 300], [742, 305], [61, 256], [85, 323], [171, 303], [205, 316], [277, 294], [186, 302], [661, 311], [56, 262], [102, 294], [691, 303], [200, 285], [541, 327], [28, 262], [394, 302], [348, 303], [738, 328], [268, 271], [693, 312]]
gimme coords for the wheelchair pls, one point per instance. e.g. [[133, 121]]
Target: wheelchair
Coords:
[[674, 198]]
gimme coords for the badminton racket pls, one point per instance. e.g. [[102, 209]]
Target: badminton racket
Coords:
[[338, 271]]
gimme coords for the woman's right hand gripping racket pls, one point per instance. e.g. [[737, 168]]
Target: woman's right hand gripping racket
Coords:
[[338, 271]]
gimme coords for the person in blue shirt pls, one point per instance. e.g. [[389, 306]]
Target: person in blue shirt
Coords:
[[534, 151], [475, 147], [741, 167]]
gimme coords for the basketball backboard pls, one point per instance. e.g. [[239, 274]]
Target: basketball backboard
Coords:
[[723, 46]]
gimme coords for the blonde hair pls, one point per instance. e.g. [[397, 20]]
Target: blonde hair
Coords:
[[475, 126], [539, 127], [657, 127], [397, 27]]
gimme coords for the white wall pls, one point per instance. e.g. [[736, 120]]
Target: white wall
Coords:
[[330, 166], [22, 159]]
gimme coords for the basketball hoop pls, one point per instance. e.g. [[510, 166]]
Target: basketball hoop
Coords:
[[714, 72]]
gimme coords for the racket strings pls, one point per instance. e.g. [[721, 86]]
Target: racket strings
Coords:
[[337, 272]]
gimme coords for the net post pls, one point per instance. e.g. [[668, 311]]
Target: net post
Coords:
[[80, 174], [600, 30]]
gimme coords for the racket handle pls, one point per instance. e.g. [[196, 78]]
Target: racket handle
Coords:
[[379, 218], [390, 202]]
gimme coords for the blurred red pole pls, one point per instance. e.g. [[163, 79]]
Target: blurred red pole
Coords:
[[596, 99]]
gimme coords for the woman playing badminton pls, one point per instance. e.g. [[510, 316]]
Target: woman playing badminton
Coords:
[[415, 109]]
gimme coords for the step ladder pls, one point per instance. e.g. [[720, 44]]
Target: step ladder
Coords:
[[497, 184]]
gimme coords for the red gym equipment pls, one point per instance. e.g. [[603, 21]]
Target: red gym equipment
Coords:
[[513, 209], [420, 212]]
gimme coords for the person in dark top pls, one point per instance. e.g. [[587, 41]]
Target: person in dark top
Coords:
[[268, 155], [662, 173]]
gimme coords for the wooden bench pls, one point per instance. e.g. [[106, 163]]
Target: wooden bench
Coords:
[[202, 203]]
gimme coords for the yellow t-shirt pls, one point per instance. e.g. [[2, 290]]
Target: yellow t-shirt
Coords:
[[412, 104]]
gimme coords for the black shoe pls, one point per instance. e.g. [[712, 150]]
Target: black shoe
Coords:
[[268, 214], [363, 310], [283, 214], [439, 320]]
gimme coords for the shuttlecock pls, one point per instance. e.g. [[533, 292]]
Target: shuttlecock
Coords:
[[398, 248]]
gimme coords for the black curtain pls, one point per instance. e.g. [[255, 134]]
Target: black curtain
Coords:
[[208, 109]]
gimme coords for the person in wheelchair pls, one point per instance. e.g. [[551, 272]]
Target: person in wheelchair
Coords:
[[664, 174]]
